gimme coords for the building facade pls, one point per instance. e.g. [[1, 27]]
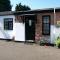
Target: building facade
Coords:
[[31, 25]]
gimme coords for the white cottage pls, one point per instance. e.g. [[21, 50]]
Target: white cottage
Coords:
[[30, 25]]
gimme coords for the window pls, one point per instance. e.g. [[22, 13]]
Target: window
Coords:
[[46, 25], [8, 24]]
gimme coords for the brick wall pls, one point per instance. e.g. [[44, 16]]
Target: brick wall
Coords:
[[39, 23], [19, 18], [57, 16]]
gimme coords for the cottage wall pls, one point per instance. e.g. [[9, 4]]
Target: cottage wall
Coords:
[[39, 25], [6, 34], [19, 29], [54, 31]]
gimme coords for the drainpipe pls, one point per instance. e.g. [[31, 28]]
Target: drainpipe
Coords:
[[54, 25], [53, 28], [54, 17], [54, 20]]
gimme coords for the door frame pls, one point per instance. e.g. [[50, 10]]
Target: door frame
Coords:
[[30, 17]]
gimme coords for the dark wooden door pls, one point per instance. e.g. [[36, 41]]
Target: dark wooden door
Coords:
[[30, 28]]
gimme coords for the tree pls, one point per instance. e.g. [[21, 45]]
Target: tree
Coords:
[[5, 5], [20, 7]]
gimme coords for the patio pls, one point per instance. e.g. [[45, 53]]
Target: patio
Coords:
[[20, 51]]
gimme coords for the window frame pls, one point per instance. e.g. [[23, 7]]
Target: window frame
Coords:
[[8, 20], [45, 23]]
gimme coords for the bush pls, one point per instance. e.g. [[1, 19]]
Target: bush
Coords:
[[43, 42], [57, 42]]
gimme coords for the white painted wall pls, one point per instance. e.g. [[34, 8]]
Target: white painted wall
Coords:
[[6, 34], [55, 32], [19, 29]]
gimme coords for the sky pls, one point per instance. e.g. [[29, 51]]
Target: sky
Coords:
[[36, 4]]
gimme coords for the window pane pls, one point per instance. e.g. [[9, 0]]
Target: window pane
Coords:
[[46, 20], [46, 32], [46, 25], [8, 24]]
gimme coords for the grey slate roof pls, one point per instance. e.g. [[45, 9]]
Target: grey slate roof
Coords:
[[29, 11], [7, 13]]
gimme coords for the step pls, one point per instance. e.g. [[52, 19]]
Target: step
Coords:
[[29, 41]]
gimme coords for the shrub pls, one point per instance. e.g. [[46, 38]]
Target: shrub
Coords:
[[43, 42], [57, 42]]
